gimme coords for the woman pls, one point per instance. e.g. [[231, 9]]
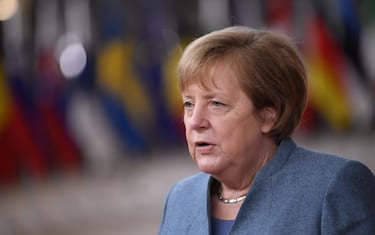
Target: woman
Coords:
[[244, 92]]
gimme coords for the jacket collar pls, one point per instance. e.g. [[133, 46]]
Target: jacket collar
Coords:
[[279, 159]]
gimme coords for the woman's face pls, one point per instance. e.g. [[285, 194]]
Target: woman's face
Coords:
[[222, 129]]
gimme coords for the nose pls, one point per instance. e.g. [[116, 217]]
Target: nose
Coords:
[[197, 118]]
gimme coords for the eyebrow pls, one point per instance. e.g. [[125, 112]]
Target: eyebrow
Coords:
[[208, 96]]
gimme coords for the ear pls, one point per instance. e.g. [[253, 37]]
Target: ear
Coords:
[[268, 115]]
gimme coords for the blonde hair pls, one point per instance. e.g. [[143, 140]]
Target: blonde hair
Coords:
[[267, 65]]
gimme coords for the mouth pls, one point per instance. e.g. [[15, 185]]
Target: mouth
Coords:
[[204, 147], [202, 144]]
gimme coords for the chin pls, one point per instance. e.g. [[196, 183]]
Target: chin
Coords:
[[208, 165]]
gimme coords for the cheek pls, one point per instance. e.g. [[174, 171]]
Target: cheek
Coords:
[[187, 134], [189, 142], [237, 137]]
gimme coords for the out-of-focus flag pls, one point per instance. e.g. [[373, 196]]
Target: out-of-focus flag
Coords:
[[327, 68], [156, 39], [49, 90], [124, 97], [362, 92], [5, 99], [279, 14], [176, 37], [287, 16], [368, 38], [22, 154], [86, 116], [116, 75], [170, 83], [350, 39], [367, 47], [50, 107], [8, 166]]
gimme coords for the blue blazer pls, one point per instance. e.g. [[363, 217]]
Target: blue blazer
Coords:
[[297, 192]]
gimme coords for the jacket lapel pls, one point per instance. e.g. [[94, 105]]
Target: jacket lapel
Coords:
[[201, 219]]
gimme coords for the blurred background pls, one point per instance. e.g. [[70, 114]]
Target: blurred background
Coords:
[[91, 134]]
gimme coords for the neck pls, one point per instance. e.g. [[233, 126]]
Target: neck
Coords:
[[237, 181]]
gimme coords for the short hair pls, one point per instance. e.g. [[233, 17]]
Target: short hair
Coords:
[[266, 63]]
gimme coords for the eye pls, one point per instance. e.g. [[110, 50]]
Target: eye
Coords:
[[188, 104], [217, 103]]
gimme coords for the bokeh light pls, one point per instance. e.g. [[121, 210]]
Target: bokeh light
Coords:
[[72, 60], [8, 9]]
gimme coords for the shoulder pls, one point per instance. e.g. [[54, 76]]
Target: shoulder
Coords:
[[318, 157], [323, 171], [355, 180], [349, 186], [315, 162], [337, 171], [299, 159], [341, 190], [349, 200]]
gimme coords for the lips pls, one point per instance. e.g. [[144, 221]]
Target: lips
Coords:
[[204, 147]]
